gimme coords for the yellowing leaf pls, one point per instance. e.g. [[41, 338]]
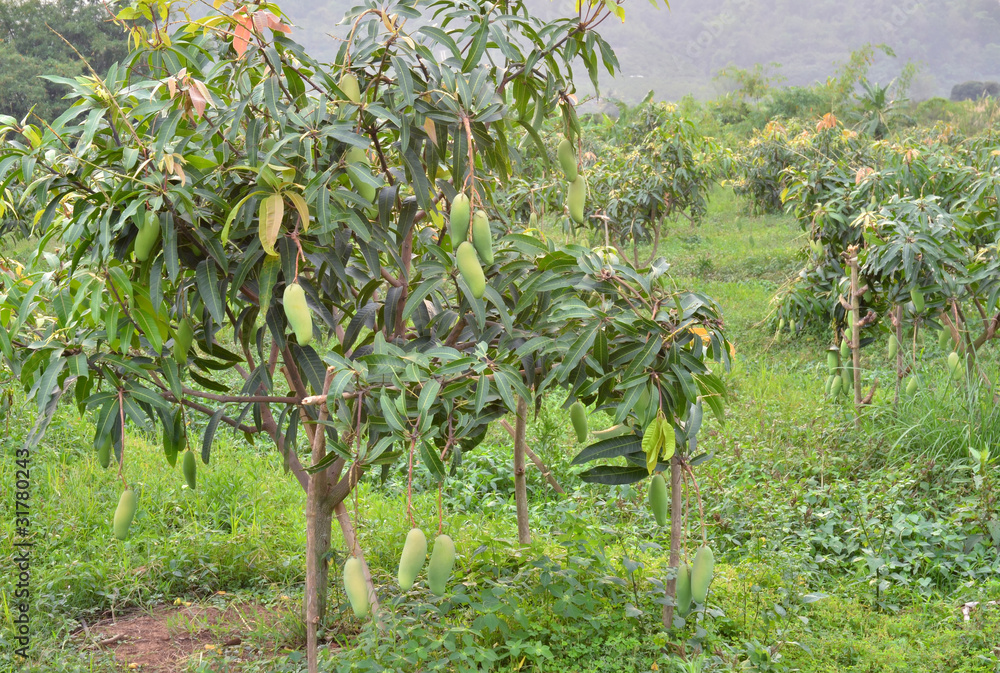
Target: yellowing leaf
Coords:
[[669, 441], [301, 206], [272, 210], [652, 441]]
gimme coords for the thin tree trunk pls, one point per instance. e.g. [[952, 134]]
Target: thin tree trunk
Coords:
[[316, 576], [899, 352], [855, 336], [520, 478], [675, 538], [542, 467]]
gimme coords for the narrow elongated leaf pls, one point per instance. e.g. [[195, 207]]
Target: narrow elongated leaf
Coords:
[[209, 436], [269, 216], [611, 475], [606, 449]]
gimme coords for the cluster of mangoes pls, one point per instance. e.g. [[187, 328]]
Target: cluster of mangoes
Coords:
[[692, 581], [410, 563], [841, 370], [471, 257], [576, 198]]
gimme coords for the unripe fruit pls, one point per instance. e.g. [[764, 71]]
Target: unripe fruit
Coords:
[[845, 350], [125, 512], [472, 272], [182, 341], [441, 564], [356, 587], [533, 221], [683, 590], [838, 384], [412, 559], [944, 336], [828, 386], [578, 414], [567, 159], [953, 365], [461, 212], [190, 469], [104, 453], [349, 85], [482, 237], [658, 499], [149, 234], [848, 378], [911, 386], [917, 297], [701, 574], [357, 166], [577, 198], [832, 362], [297, 313], [893, 346]]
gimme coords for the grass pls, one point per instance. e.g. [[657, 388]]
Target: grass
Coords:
[[838, 549]]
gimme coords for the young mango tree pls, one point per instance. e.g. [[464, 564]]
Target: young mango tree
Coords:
[[250, 236]]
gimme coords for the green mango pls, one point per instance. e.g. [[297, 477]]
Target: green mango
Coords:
[[482, 237], [578, 414], [356, 587], [349, 85], [658, 500], [832, 361], [567, 159], [297, 313], [912, 385], [146, 239], [838, 384], [701, 574], [461, 213], [358, 167], [845, 350], [954, 365], [441, 564], [125, 512], [190, 470], [472, 272], [412, 559], [917, 297], [683, 589], [893, 346], [944, 338], [577, 198], [104, 453]]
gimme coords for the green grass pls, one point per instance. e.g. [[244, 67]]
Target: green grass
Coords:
[[885, 526]]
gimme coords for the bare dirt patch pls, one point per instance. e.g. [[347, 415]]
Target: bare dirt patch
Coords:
[[163, 639]]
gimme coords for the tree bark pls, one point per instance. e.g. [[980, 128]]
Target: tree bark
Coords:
[[542, 467], [316, 567], [520, 478], [676, 518], [855, 335]]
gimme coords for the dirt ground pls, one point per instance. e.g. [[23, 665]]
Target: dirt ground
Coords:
[[163, 639]]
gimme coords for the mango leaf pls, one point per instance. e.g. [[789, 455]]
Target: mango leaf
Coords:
[[611, 475], [270, 214]]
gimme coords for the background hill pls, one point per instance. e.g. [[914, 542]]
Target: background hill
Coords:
[[679, 51]]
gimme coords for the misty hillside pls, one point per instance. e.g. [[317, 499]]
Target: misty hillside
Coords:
[[679, 51]]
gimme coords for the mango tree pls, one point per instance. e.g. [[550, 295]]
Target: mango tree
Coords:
[[251, 236]]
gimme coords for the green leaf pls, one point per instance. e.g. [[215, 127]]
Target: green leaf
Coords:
[[209, 436], [611, 475], [207, 279], [431, 459], [615, 447]]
